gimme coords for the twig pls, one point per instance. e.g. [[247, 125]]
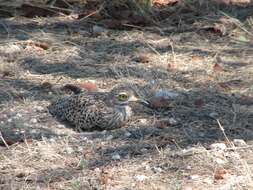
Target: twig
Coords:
[[2, 138], [237, 23], [224, 134], [173, 53], [243, 162]]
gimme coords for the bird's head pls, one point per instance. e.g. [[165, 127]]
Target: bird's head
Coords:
[[124, 97]]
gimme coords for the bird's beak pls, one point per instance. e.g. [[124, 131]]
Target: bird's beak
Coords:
[[135, 99]]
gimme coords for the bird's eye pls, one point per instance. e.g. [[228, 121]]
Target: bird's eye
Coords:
[[122, 97]]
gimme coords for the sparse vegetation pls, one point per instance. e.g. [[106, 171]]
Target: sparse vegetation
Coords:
[[191, 60]]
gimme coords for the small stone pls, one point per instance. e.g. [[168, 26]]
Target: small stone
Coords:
[[157, 169], [69, 150], [97, 30], [144, 150], [220, 161], [60, 126], [194, 177], [33, 131], [97, 170], [218, 146], [147, 167], [39, 108], [235, 155], [34, 120], [143, 121], [127, 134], [208, 181], [140, 178], [214, 115], [239, 142], [19, 115], [110, 137], [116, 157], [172, 121], [52, 140]]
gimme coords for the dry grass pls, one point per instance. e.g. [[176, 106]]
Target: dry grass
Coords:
[[214, 105]]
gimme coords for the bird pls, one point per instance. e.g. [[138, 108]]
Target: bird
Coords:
[[96, 110]]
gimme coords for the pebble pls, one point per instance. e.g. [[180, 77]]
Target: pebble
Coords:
[[144, 150], [39, 108], [218, 146], [60, 126], [220, 161], [127, 134], [172, 121], [34, 120], [69, 150], [143, 121], [97, 30], [214, 115], [97, 170], [208, 181], [239, 142], [19, 115], [157, 169], [110, 137], [140, 178], [116, 157], [194, 177], [33, 131]]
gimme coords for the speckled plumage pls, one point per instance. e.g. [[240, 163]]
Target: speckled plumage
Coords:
[[91, 110]]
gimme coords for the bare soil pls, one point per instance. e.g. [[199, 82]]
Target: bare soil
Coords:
[[211, 71]]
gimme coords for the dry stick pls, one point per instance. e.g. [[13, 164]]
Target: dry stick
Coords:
[[243, 162], [237, 23], [224, 134], [173, 53], [2, 138], [92, 13]]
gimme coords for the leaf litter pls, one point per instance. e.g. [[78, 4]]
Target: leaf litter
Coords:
[[203, 101]]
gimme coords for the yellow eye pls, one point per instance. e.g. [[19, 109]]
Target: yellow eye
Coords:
[[122, 97]]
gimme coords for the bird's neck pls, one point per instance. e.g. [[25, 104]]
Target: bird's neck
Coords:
[[125, 110]]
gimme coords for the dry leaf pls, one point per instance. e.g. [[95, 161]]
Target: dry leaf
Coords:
[[163, 3], [196, 58], [220, 29], [89, 86], [220, 174], [217, 68], [160, 102], [161, 124], [225, 86], [171, 66], [142, 59]]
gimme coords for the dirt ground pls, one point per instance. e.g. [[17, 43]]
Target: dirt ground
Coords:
[[193, 144]]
